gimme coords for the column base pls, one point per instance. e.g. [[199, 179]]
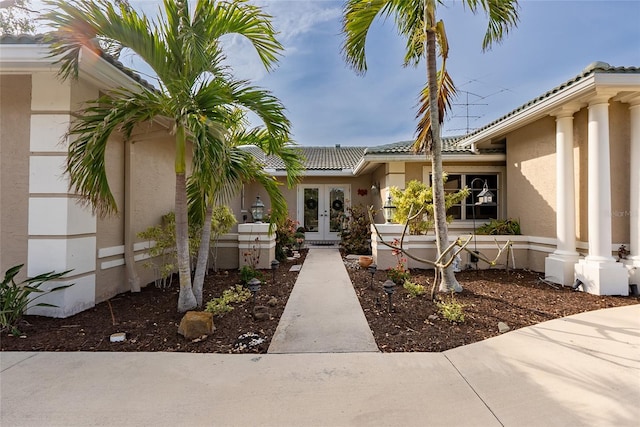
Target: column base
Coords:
[[606, 278], [66, 302], [633, 268], [256, 246], [560, 269]]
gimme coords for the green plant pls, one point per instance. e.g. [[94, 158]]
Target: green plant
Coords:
[[15, 297], [451, 310], [162, 248], [417, 195], [248, 272], [398, 274], [414, 289], [355, 238], [502, 226], [222, 220], [286, 237], [222, 305]]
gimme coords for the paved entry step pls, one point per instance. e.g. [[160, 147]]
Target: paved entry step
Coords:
[[323, 314]]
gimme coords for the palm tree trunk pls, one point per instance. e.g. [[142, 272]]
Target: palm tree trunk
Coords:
[[203, 255], [449, 281], [186, 299]]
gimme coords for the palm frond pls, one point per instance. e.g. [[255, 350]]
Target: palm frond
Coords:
[[89, 134], [446, 92], [357, 19], [244, 19], [502, 14]]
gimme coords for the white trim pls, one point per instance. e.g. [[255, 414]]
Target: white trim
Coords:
[[47, 132], [110, 264], [77, 254], [119, 250], [110, 251], [141, 257], [59, 216], [46, 175]]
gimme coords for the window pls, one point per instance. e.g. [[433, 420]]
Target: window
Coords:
[[475, 182]]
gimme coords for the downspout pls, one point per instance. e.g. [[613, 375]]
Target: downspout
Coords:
[[132, 276]]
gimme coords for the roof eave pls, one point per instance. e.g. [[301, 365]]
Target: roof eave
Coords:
[[319, 172], [534, 111], [369, 160], [104, 74]]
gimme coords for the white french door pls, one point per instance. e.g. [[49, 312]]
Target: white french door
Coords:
[[321, 209]]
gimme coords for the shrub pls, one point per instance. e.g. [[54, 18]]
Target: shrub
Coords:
[[451, 310], [222, 220], [285, 237], [414, 289], [15, 297], [163, 251], [418, 195], [398, 275], [503, 226], [248, 272], [355, 238], [222, 305]]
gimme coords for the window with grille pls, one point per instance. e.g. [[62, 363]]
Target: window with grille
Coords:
[[468, 207]]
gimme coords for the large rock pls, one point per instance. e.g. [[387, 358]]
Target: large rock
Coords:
[[195, 324]]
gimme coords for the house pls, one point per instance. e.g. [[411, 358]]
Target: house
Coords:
[[566, 165], [549, 163]]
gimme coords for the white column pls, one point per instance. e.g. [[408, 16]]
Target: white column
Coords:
[[634, 187], [62, 233], [559, 266], [256, 245], [599, 272], [633, 263], [599, 183]]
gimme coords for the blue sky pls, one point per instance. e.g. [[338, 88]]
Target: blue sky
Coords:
[[330, 104]]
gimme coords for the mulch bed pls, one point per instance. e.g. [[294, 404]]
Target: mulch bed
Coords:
[[517, 298], [150, 319]]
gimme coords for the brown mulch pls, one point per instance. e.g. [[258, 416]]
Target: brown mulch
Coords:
[[150, 319], [518, 298]]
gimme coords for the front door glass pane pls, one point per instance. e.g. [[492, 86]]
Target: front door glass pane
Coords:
[[311, 209], [336, 200]]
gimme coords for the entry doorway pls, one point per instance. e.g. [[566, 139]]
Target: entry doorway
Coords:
[[321, 209]]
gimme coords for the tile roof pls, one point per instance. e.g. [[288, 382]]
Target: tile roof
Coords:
[[324, 158], [29, 39], [593, 68], [449, 146]]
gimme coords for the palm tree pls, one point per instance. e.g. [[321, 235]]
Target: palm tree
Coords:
[[416, 22], [194, 90], [220, 186]]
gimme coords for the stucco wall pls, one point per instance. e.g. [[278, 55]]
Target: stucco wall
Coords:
[[581, 173], [619, 141], [620, 145], [15, 113], [153, 178], [112, 280], [531, 171]]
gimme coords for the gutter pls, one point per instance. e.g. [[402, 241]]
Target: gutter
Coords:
[[370, 159]]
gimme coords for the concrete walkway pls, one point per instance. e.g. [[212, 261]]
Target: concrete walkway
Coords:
[[582, 370], [323, 314]]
